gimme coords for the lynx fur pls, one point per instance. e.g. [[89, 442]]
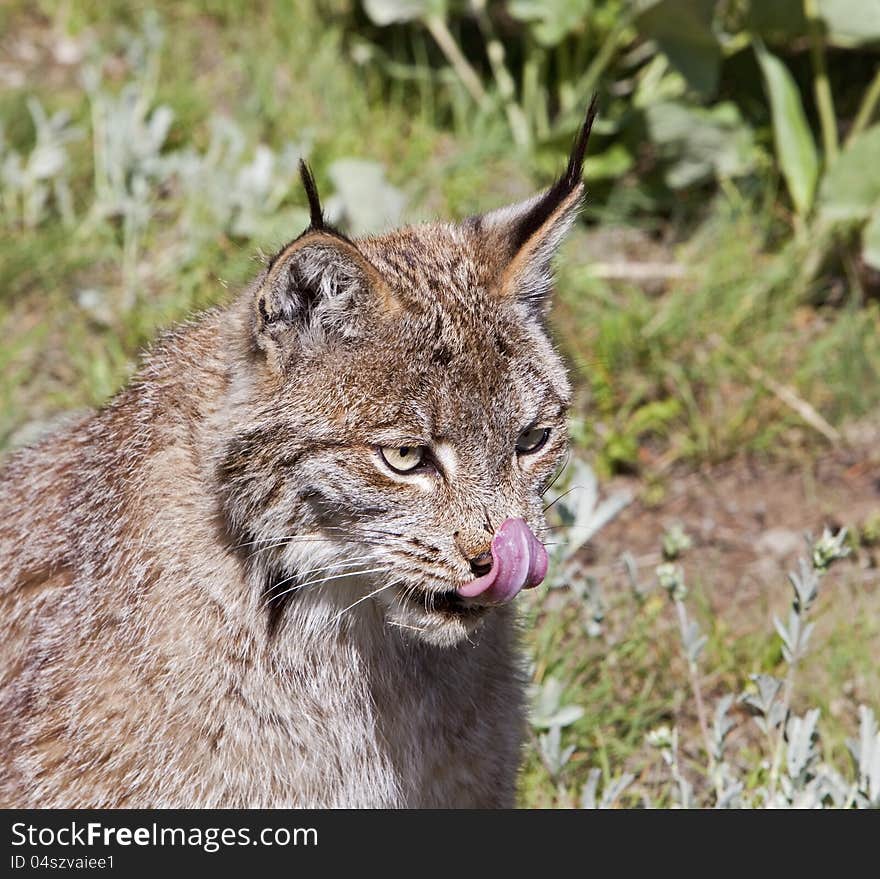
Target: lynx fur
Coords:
[[214, 593]]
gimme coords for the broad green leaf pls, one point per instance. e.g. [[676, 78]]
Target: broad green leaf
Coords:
[[846, 22], [551, 20], [871, 241], [776, 20], [851, 22], [384, 12], [364, 200], [683, 30], [697, 144], [851, 186], [795, 148]]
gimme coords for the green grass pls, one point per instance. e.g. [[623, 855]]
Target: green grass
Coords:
[[671, 371]]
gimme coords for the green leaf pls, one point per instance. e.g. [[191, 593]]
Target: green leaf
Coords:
[[364, 201], [846, 23], [777, 20], [851, 22], [613, 162], [551, 20], [871, 241], [683, 30], [697, 144], [795, 148], [654, 417], [851, 186], [385, 12]]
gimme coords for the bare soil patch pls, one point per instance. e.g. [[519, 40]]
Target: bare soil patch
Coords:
[[747, 519]]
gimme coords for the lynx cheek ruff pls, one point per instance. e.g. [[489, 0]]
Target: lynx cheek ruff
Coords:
[[519, 561]]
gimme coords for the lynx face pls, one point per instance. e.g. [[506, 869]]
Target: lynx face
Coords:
[[403, 414]]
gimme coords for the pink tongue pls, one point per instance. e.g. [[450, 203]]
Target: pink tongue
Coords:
[[519, 561]]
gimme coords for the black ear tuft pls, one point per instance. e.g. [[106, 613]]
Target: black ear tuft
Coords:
[[573, 173], [545, 206], [308, 181], [317, 223]]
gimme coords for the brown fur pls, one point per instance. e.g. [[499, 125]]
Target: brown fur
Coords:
[[151, 655]]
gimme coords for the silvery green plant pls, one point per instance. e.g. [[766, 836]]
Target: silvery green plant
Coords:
[[828, 549], [231, 187], [128, 131], [728, 789], [235, 189], [611, 790], [670, 577], [675, 542], [579, 509], [797, 784], [865, 751], [579, 512], [548, 708], [31, 182], [553, 755], [364, 201], [187, 197], [128, 134], [590, 591], [548, 715], [666, 741], [797, 776]]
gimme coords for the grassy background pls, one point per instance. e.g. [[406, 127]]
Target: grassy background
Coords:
[[692, 361]]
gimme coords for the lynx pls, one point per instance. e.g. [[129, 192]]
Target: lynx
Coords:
[[278, 568]]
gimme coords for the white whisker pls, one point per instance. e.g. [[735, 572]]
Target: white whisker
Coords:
[[284, 538], [330, 568], [337, 566], [281, 540], [361, 529], [325, 580], [564, 494], [362, 598], [405, 626]]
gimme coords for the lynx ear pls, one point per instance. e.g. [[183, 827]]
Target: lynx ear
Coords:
[[313, 287], [530, 232]]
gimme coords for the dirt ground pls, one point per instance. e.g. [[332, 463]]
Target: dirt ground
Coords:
[[747, 520]]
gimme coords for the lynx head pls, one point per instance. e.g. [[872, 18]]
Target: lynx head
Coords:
[[405, 413]]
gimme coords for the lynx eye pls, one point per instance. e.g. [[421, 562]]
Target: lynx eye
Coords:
[[402, 459], [531, 440]]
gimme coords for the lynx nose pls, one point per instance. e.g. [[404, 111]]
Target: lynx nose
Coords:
[[481, 564]]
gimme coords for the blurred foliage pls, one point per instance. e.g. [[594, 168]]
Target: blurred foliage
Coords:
[[690, 89]]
